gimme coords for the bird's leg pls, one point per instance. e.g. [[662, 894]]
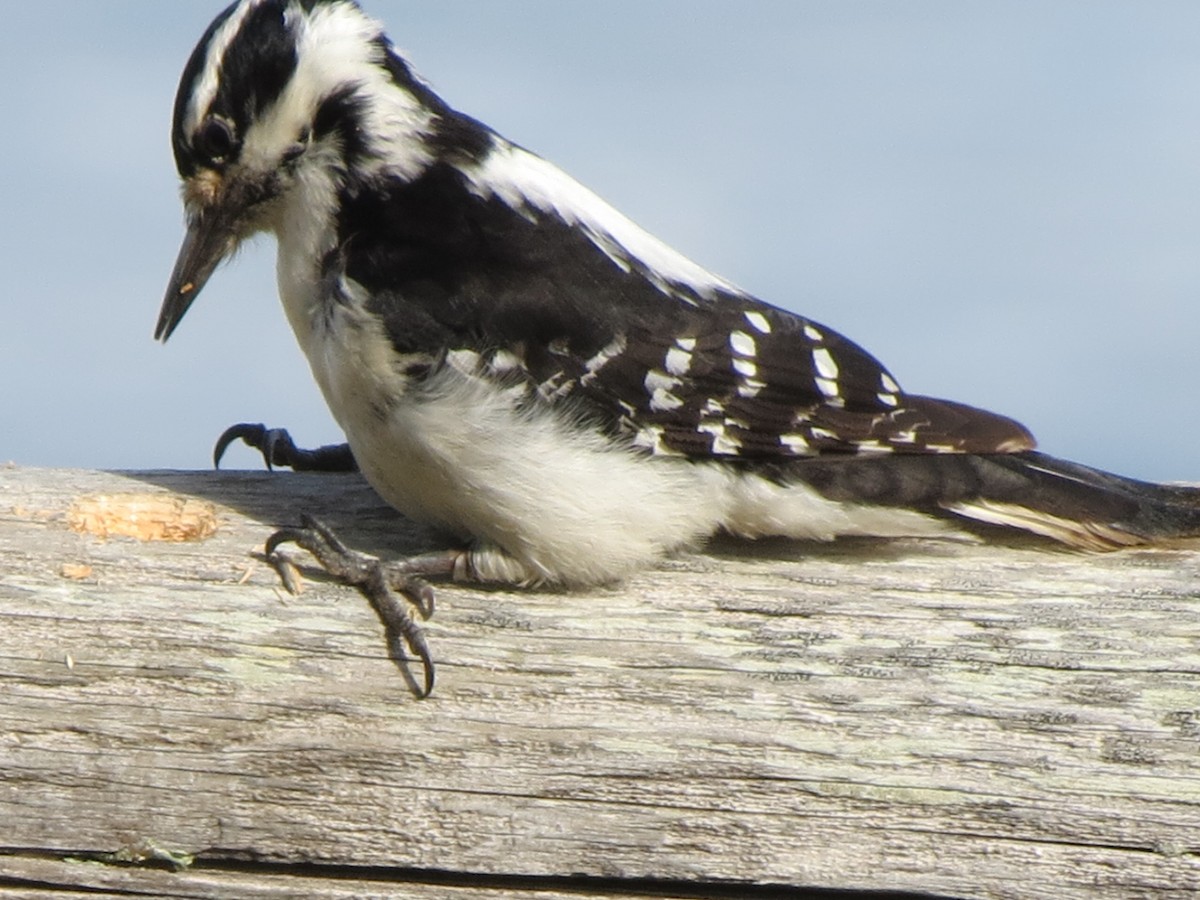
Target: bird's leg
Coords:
[[381, 583], [278, 449]]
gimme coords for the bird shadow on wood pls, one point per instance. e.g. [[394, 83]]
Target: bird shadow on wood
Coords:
[[344, 502], [348, 505]]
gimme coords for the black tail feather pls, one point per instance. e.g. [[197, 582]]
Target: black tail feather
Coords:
[[1072, 503]]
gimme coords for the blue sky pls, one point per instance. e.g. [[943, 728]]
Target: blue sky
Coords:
[[999, 200]]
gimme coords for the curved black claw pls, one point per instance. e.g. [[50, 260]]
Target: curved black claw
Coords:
[[278, 449], [268, 441], [380, 582]]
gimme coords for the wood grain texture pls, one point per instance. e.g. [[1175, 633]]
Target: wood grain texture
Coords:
[[950, 718]]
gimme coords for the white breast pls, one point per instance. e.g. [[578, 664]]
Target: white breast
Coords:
[[562, 500]]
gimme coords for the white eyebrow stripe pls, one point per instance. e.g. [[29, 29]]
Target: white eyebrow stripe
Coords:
[[209, 83]]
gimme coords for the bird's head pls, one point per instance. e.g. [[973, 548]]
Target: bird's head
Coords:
[[285, 99]]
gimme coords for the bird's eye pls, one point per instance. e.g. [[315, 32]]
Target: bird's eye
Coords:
[[215, 140]]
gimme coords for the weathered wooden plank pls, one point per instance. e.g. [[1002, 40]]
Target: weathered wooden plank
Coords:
[[86, 880], [965, 720]]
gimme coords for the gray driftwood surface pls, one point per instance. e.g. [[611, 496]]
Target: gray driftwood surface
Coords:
[[925, 716]]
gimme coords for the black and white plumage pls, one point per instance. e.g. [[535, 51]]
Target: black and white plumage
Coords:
[[513, 359]]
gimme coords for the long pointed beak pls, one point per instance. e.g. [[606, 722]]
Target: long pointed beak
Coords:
[[209, 239]]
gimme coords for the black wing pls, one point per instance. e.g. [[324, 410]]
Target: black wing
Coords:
[[740, 379], [672, 369]]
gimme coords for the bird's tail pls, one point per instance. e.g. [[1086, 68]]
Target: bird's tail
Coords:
[[1074, 504]]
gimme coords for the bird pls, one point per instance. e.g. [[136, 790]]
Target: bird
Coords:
[[513, 360]]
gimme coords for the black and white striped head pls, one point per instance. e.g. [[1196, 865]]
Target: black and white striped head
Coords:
[[277, 94]]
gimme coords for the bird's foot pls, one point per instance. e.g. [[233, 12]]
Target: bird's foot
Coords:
[[278, 449], [391, 587]]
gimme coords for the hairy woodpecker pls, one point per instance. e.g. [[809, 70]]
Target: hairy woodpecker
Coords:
[[514, 360]]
